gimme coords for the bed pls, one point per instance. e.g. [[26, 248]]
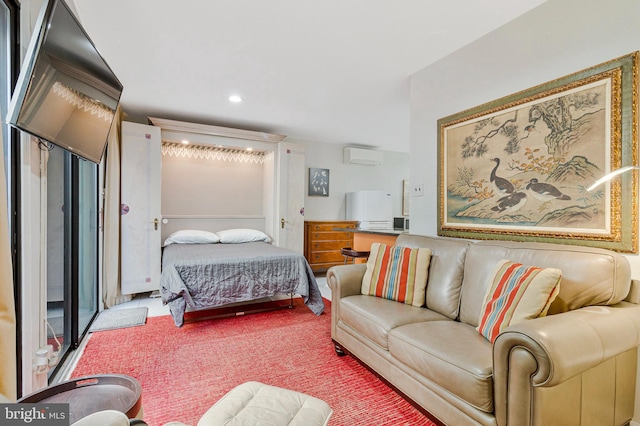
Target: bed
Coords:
[[208, 274]]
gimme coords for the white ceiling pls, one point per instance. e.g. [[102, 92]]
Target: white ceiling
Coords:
[[334, 71]]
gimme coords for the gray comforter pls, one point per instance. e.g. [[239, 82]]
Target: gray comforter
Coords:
[[199, 276]]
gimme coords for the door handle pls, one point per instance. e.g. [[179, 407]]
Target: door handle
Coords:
[[282, 222], [155, 223]]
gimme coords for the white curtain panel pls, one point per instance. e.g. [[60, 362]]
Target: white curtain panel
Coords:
[[111, 294], [8, 365]]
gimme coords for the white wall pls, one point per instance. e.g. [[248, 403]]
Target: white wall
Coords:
[[201, 186], [345, 178], [553, 40], [197, 187]]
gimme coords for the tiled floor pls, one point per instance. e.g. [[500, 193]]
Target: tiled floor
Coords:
[[324, 287], [156, 308]]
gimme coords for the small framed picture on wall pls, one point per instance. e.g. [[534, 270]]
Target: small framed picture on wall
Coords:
[[319, 182]]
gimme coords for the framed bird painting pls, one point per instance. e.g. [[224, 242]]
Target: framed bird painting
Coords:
[[519, 168]]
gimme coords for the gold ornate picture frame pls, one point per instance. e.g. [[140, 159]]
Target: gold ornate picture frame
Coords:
[[518, 168]]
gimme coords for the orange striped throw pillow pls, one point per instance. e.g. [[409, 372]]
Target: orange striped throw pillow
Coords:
[[517, 293], [397, 273]]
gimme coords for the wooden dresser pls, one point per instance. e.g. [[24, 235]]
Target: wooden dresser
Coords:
[[323, 241]]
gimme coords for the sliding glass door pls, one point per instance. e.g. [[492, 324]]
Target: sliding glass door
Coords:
[[56, 249], [72, 249], [87, 236]]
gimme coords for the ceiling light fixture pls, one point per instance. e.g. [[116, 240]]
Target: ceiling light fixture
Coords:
[[235, 99], [185, 142]]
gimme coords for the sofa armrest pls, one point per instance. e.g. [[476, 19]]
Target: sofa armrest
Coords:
[[548, 351], [345, 280]]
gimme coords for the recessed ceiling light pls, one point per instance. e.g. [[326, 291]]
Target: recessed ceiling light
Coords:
[[249, 149], [235, 98], [185, 142]]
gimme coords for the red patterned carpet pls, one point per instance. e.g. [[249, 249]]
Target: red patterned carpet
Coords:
[[184, 371]]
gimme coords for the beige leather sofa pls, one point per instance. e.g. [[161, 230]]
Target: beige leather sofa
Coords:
[[575, 366]]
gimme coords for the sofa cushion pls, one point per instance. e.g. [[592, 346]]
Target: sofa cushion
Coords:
[[374, 317], [446, 270], [397, 273], [517, 293], [451, 354], [590, 276]]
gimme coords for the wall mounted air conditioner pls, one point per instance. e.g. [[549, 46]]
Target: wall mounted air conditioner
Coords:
[[362, 156]]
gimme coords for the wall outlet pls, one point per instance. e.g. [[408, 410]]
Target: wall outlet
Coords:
[[418, 190]]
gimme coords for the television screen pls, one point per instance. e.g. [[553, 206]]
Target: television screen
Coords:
[[66, 93]]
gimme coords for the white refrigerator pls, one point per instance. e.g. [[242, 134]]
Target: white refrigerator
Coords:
[[373, 209]]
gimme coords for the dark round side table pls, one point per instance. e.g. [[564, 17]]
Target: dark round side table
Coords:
[[90, 394], [348, 252]]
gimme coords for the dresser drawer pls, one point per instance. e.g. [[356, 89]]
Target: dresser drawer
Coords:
[[325, 227], [326, 256], [332, 236], [316, 246], [323, 267]]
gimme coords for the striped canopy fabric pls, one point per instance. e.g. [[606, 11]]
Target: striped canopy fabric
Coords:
[[397, 273], [517, 293]]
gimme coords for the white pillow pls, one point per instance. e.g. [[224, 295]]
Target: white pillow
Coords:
[[192, 236], [232, 236]]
